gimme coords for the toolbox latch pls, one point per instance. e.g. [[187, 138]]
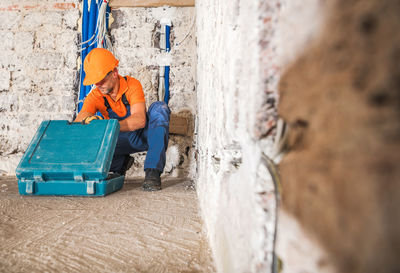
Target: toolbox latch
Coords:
[[78, 177], [90, 186], [38, 177], [29, 186]]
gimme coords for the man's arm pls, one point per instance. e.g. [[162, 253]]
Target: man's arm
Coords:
[[137, 119], [82, 115]]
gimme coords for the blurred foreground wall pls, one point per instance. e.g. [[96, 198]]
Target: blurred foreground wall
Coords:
[[341, 98]]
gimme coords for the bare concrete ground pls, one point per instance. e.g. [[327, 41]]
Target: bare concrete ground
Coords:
[[127, 231]]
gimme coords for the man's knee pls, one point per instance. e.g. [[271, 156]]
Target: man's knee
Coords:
[[158, 114], [159, 107]]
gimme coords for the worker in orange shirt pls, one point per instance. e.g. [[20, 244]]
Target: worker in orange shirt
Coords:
[[122, 98]]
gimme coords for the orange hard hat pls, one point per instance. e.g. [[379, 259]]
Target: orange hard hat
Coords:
[[97, 64]]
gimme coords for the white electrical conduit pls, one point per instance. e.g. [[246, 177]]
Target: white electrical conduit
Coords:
[[167, 22]]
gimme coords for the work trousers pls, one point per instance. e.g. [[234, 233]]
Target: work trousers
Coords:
[[153, 138]]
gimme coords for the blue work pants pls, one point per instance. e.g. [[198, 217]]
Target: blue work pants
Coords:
[[153, 138]]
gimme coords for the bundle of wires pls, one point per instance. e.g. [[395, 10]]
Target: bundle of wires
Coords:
[[95, 19], [100, 37]]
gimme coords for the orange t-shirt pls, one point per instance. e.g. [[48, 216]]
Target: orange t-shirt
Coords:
[[133, 91]]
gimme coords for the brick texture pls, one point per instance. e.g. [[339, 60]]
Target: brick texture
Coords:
[[39, 44]]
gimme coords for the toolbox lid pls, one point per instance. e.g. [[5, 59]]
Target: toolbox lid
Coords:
[[61, 150]]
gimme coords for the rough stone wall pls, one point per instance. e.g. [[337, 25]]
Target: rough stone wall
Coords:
[[234, 189], [135, 34], [340, 97], [37, 70]]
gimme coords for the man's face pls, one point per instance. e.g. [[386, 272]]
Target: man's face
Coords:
[[107, 84]]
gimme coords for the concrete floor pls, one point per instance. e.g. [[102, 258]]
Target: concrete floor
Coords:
[[127, 231]]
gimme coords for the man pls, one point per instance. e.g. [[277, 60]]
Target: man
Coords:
[[122, 98]]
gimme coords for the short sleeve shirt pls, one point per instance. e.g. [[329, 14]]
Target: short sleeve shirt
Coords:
[[95, 99]]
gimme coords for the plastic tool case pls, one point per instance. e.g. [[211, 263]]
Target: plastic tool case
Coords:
[[66, 158]]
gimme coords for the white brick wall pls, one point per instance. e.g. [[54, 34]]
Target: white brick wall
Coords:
[[7, 40], [10, 20], [4, 80], [134, 32], [23, 42], [37, 70]]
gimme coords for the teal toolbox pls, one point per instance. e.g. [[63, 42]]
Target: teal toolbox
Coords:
[[67, 158]]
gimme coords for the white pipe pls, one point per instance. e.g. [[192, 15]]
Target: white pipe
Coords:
[[161, 88]]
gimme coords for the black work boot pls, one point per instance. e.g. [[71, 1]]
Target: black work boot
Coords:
[[128, 162], [152, 180]]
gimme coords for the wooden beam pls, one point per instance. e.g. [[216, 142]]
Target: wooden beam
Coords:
[[151, 3]]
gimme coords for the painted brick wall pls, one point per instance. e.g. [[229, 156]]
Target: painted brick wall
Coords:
[[37, 70]]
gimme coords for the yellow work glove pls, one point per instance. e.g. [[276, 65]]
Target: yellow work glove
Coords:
[[87, 120]]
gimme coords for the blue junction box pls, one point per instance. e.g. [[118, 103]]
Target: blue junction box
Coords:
[[67, 158]]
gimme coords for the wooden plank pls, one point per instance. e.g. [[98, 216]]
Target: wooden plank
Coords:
[[151, 3], [178, 125]]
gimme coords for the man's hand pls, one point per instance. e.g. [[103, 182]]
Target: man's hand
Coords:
[[87, 120], [82, 115]]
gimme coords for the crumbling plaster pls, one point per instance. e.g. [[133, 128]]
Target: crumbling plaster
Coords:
[[243, 47], [235, 192]]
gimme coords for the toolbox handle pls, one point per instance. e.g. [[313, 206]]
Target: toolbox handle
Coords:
[[73, 123]]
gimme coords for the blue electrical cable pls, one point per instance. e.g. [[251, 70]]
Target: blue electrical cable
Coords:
[[167, 38], [82, 88], [108, 10], [166, 84], [91, 32], [166, 70]]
